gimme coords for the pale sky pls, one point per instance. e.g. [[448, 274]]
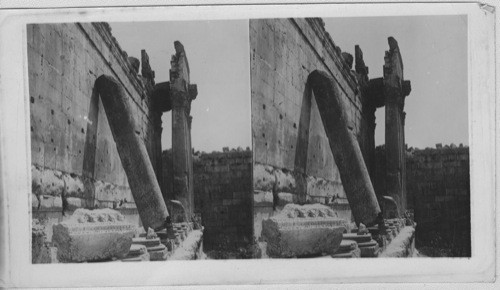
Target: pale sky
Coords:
[[434, 52], [219, 61], [433, 48]]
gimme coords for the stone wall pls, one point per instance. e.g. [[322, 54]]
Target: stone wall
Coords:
[[438, 192], [223, 196], [74, 158], [293, 161]]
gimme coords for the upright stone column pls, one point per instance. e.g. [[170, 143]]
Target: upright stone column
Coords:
[[395, 91], [182, 93]]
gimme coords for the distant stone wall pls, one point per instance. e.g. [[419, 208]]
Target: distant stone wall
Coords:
[[438, 192], [75, 163], [223, 196], [293, 162]]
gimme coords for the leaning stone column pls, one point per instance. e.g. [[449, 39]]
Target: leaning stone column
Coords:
[[395, 91], [345, 149], [182, 93], [133, 154]]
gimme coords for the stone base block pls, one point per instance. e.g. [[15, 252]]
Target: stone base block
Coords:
[[369, 249], [356, 253], [158, 255], [91, 235], [303, 231], [347, 249], [136, 250], [137, 253]]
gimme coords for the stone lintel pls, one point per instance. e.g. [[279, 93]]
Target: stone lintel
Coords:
[[162, 100], [374, 92]]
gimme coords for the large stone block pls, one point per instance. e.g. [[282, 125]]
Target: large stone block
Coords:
[[303, 231], [91, 235]]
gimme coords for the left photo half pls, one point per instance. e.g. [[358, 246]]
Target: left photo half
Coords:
[[140, 141]]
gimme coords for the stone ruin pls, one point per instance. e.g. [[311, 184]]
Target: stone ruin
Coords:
[[314, 117], [313, 152], [131, 105]]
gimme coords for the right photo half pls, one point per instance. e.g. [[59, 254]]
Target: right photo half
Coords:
[[360, 137]]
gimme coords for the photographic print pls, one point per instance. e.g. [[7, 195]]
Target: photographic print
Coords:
[[247, 144]]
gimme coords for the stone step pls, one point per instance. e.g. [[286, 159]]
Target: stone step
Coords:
[[368, 244], [357, 238], [146, 242]]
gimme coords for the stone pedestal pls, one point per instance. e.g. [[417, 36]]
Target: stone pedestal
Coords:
[[367, 246], [303, 231], [91, 235], [156, 250]]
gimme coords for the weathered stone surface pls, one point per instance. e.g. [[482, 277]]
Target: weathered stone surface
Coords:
[[182, 96], [91, 235], [303, 230], [395, 91], [38, 239], [69, 142]]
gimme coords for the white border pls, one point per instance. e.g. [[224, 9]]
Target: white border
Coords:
[[15, 163]]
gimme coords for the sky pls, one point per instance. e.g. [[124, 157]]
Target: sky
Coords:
[[434, 52], [219, 62], [433, 48]]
